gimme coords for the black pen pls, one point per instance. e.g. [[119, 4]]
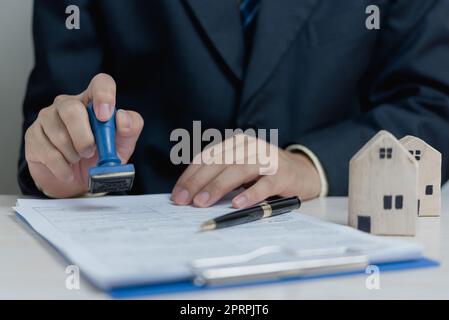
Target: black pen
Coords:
[[263, 210]]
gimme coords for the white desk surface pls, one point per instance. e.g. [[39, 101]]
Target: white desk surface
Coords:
[[31, 269]]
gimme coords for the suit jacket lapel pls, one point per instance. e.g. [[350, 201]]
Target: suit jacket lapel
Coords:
[[221, 23], [278, 23]]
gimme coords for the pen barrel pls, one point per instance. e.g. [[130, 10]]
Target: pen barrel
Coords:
[[284, 205], [104, 133], [240, 217], [258, 212]]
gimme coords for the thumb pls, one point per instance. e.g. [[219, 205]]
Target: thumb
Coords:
[[101, 91], [129, 126]]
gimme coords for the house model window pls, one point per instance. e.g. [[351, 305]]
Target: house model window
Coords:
[[364, 223], [398, 202], [388, 202], [385, 153], [416, 153], [429, 190]]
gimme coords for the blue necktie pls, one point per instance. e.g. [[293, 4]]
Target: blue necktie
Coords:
[[248, 10]]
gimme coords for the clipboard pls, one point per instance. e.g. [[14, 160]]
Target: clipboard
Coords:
[[246, 270], [284, 265]]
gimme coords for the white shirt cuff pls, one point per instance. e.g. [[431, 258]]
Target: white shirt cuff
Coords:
[[316, 162]]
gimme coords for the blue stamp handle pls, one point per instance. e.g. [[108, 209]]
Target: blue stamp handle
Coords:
[[104, 133]]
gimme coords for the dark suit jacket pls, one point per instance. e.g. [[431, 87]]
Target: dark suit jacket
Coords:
[[315, 72]]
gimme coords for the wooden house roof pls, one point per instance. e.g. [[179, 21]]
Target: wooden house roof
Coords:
[[411, 139], [381, 135]]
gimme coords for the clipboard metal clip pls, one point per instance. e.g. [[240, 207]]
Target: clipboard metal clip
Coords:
[[276, 262]]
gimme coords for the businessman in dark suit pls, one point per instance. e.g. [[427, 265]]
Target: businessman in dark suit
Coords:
[[309, 68]]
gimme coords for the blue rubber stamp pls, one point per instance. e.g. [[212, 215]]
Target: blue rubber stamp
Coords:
[[110, 175]]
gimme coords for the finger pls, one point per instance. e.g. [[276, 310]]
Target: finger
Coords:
[[228, 180], [58, 135], [215, 155], [211, 156], [50, 156], [232, 150], [129, 126], [63, 97], [180, 195], [101, 92], [187, 188], [74, 115], [262, 189]]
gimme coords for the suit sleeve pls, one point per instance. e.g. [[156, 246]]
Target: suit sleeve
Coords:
[[408, 91], [65, 61]]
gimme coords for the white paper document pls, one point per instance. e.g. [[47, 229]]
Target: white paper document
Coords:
[[130, 240]]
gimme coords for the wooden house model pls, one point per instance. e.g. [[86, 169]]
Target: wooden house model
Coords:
[[383, 180], [429, 176]]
